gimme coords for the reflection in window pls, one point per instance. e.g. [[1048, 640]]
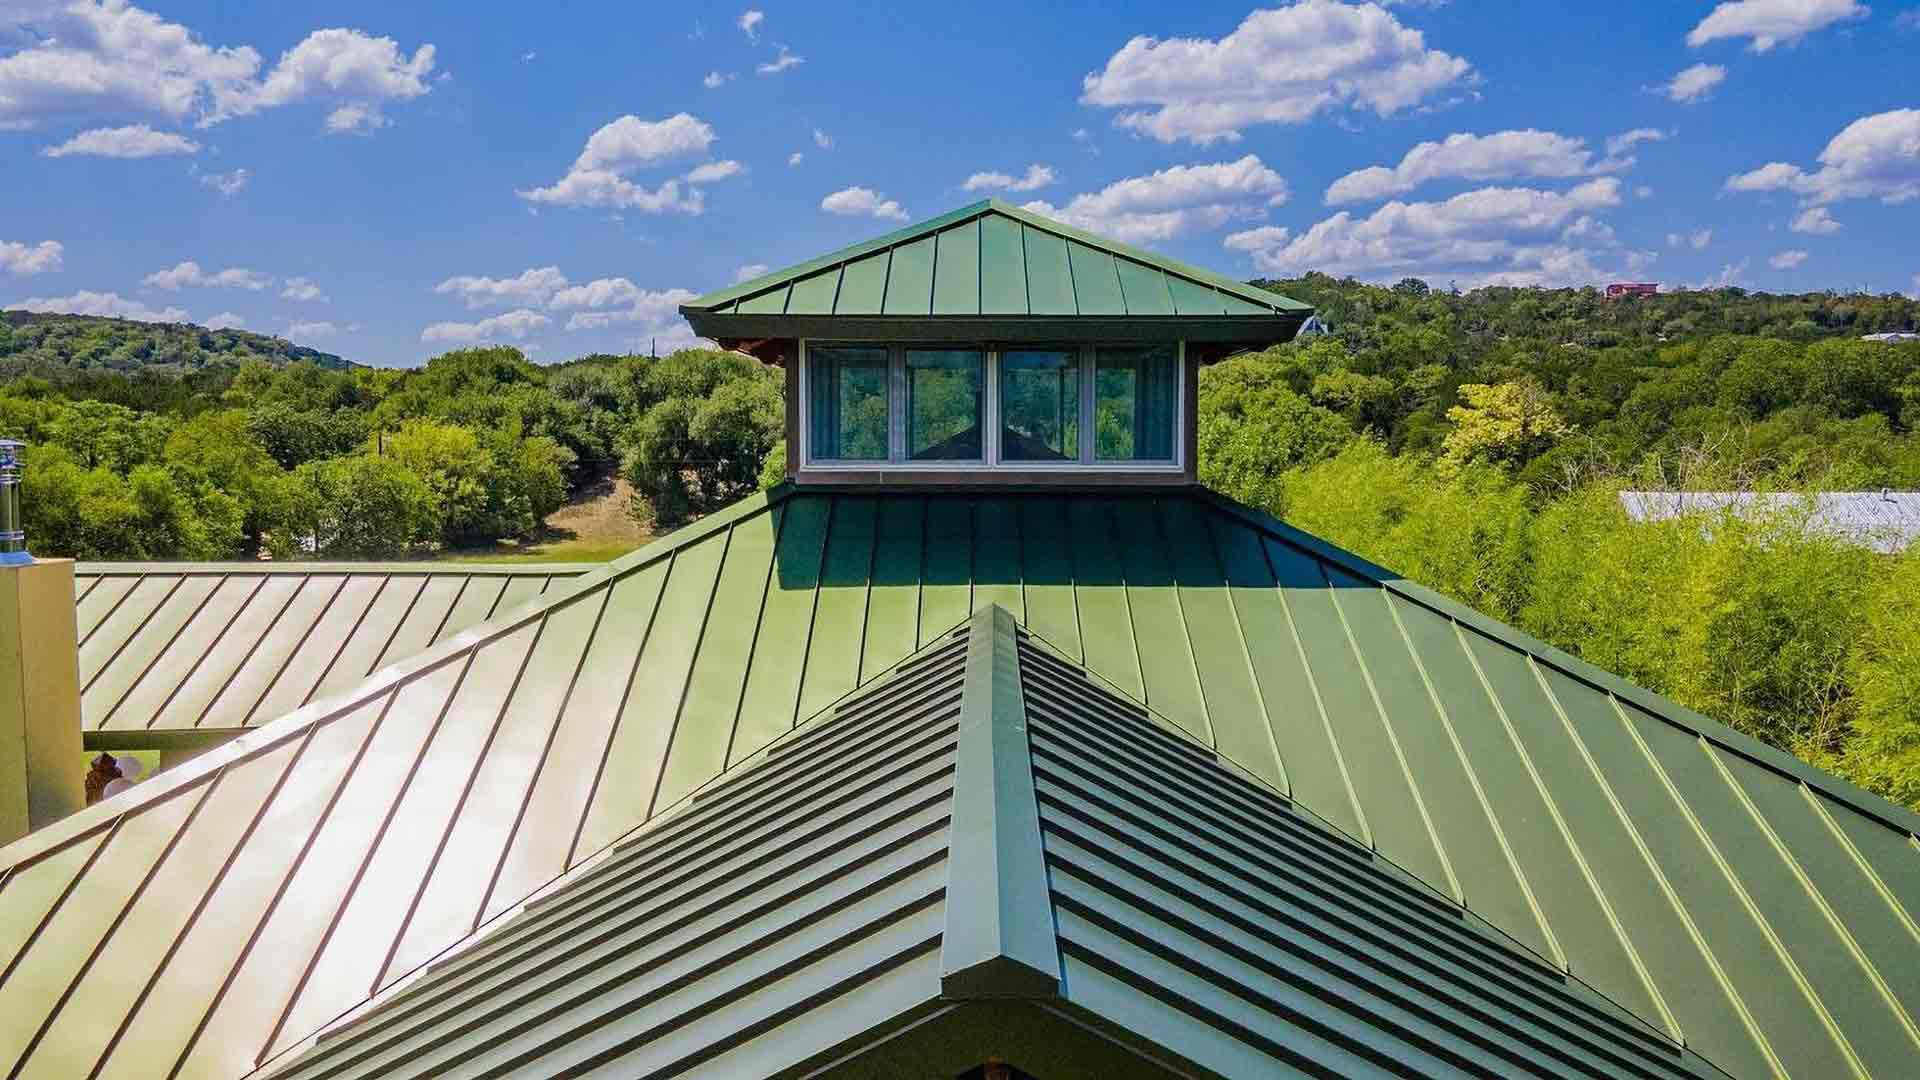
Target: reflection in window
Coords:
[[1135, 392], [847, 404], [1039, 406], [943, 404]]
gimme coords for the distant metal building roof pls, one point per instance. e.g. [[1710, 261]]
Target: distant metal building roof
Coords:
[[1886, 521], [173, 653], [992, 271], [1730, 897], [990, 854]]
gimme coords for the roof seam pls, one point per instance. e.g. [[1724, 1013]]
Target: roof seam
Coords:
[[1740, 893]]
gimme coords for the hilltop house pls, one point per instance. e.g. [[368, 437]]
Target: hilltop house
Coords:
[[989, 745]]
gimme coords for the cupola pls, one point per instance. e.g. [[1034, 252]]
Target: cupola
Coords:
[[992, 346]]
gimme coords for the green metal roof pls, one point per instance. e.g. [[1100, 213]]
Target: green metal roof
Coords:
[[989, 827], [1721, 892], [995, 271], [171, 653]]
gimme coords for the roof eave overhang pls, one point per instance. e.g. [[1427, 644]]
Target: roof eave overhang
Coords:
[[1248, 330]]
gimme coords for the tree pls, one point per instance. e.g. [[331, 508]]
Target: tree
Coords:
[[355, 507], [1883, 670], [219, 449], [1253, 428], [702, 446], [1510, 423]]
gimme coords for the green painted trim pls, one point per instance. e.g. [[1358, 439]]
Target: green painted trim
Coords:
[[160, 738], [999, 940], [472, 569], [1734, 742]]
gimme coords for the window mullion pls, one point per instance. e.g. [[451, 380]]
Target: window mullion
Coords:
[[1086, 405]]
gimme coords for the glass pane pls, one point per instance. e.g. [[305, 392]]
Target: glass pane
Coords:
[[847, 404], [943, 404], [1039, 406], [1135, 392]]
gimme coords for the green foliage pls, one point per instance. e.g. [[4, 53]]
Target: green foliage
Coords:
[[1883, 671], [357, 507], [1254, 427], [700, 444], [1510, 423], [80, 349], [1464, 531]]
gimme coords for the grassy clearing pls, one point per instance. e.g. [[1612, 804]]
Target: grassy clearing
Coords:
[[593, 527]]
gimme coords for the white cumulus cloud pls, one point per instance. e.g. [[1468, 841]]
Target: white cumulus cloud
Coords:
[[1875, 157], [111, 305], [356, 120], [1695, 240], [1503, 155], [227, 183], [1772, 22], [781, 62], [863, 201], [516, 324], [608, 301], [1281, 66], [24, 260], [749, 272], [822, 140], [532, 286], [1787, 260], [714, 170], [1692, 85], [1037, 176], [749, 22], [1174, 200], [226, 320], [112, 57], [715, 80], [134, 141], [188, 274], [304, 290], [1816, 221], [1495, 235], [318, 328], [1623, 143], [600, 176]]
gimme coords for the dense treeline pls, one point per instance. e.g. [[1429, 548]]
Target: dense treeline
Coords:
[[96, 354], [476, 445]]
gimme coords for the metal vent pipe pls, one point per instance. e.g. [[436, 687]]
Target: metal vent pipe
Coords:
[[13, 537]]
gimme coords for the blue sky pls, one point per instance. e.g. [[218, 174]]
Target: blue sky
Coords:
[[387, 181]]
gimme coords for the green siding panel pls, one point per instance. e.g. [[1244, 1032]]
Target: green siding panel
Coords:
[[1049, 280], [1232, 702], [1237, 306], [946, 590], [996, 556], [771, 302], [1046, 559], [1166, 658], [1377, 759], [1470, 823], [1304, 698], [773, 682], [1096, 284], [1144, 289], [910, 281], [893, 597], [1579, 914], [956, 282], [863, 286], [814, 295], [705, 729], [840, 607], [1193, 298], [1100, 592], [1003, 267]]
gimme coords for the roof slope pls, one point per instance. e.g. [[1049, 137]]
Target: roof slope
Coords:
[[1720, 891], [914, 854], [173, 650], [990, 260], [1885, 521]]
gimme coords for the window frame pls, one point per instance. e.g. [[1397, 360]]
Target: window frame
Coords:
[[990, 460]]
